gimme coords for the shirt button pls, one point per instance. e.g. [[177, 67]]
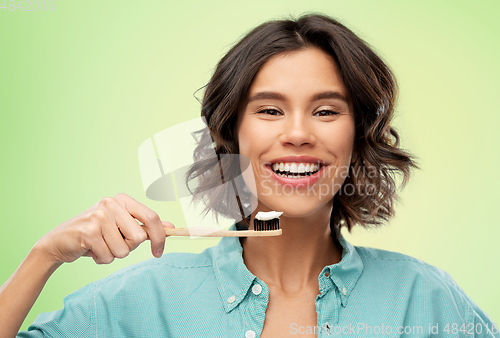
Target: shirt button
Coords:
[[344, 291], [249, 334], [257, 289], [231, 299]]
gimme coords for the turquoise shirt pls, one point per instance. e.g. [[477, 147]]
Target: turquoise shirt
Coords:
[[369, 293]]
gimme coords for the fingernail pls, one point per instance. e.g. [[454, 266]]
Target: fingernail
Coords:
[[159, 253]]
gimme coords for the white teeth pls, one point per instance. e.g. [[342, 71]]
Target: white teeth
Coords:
[[290, 176], [293, 169]]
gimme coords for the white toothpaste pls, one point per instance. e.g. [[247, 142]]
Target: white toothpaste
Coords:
[[266, 216]]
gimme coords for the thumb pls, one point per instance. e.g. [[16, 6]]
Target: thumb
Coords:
[[168, 224]]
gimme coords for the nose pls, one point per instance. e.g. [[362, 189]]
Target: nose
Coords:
[[297, 131]]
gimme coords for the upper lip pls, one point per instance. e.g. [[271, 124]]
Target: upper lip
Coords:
[[298, 159]]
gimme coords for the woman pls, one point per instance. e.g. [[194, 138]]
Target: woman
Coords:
[[310, 105]]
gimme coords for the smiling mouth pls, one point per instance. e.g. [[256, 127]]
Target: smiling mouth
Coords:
[[294, 169]]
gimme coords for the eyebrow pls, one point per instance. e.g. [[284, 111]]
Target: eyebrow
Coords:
[[281, 97]]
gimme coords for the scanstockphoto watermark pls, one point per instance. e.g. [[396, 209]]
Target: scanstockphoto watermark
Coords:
[[361, 329], [28, 5], [364, 329]]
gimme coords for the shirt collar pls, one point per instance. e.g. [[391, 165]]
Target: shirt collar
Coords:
[[234, 279]]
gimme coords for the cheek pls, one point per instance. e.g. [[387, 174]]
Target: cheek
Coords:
[[243, 141], [253, 138], [340, 140]]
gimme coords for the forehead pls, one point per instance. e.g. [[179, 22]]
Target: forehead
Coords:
[[301, 72]]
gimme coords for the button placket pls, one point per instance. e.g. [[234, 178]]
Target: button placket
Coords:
[[327, 308], [254, 308]]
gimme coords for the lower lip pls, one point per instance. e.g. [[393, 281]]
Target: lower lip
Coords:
[[297, 182]]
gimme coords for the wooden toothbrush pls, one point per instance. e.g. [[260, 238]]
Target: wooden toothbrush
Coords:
[[265, 224]]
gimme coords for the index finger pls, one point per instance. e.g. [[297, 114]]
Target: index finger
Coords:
[[152, 223], [165, 225]]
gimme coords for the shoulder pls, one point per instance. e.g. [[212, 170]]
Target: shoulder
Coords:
[[420, 285], [175, 283], [170, 276], [400, 267], [401, 263], [414, 292]]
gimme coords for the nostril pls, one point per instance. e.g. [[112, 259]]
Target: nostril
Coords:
[[298, 140]]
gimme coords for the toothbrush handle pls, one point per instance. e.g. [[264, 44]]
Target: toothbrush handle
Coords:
[[213, 232]]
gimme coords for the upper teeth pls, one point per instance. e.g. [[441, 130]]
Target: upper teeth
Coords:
[[293, 167]]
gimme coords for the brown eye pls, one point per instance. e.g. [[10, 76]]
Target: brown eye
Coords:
[[269, 112], [325, 113]]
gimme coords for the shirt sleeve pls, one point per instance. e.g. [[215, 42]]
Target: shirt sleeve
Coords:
[[477, 322], [75, 319], [458, 315]]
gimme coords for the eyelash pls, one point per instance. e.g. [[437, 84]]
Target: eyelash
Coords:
[[265, 111], [328, 111]]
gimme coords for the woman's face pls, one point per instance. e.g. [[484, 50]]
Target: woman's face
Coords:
[[297, 129]]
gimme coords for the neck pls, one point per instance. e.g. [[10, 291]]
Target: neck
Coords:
[[293, 260]]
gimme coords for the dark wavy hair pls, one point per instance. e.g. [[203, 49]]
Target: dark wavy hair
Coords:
[[371, 87]]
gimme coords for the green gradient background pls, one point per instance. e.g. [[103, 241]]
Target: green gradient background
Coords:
[[82, 87]]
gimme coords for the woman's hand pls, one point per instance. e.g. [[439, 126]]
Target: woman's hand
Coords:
[[106, 231]]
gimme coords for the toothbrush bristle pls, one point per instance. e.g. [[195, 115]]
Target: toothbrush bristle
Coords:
[[272, 224]]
